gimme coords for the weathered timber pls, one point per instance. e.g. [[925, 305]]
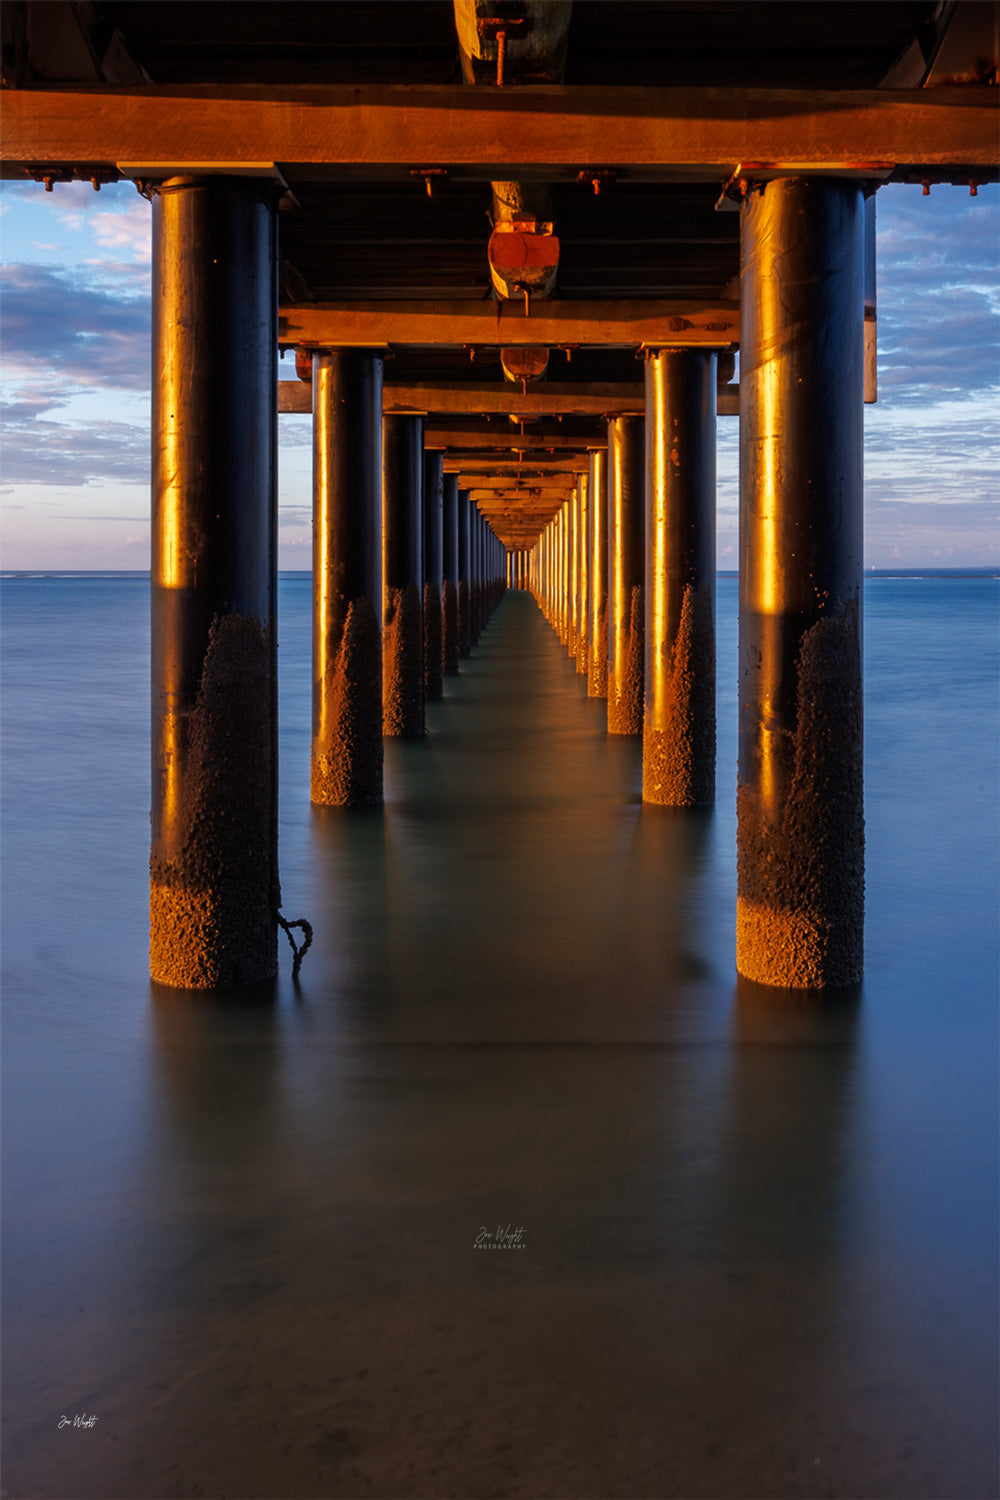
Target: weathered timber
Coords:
[[511, 476], [460, 398], [459, 434], [496, 462], [574, 323], [347, 131]]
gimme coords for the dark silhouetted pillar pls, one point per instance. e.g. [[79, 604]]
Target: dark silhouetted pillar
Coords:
[[464, 573], [451, 635], [800, 907], [433, 571], [678, 733], [402, 575]]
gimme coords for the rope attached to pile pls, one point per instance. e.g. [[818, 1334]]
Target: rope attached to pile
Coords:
[[298, 953]]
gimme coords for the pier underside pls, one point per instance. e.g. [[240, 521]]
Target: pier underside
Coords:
[[486, 214]]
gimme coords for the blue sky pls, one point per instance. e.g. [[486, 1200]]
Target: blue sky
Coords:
[[74, 382]]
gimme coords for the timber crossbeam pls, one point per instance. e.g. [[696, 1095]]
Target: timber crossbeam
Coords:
[[352, 132], [444, 398], [495, 324]]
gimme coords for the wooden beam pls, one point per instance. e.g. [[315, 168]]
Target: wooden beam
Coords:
[[439, 398], [459, 435], [498, 463], [501, 479], [349, 131], [549, 399], [575, 324], [516, 503]]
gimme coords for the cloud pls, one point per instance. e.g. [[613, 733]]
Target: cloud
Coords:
[[938, 294], [295, 431], [72, 328], [909, 532], [945, 454], [129, 229], [40, 451]]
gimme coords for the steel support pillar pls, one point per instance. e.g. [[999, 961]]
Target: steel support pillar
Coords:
[[564, 571], [451, 637], [800, 906], [583, 575], [597, 488], [464, 573], [347, 578], [573, 571], [626, 466], [475, 572], [678, 733], [433, 571], [214, 893], [402, 576]]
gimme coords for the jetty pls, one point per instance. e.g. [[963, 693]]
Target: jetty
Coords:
[[518, 251]]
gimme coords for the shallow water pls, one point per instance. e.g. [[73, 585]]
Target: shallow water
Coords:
[[759, 1231]]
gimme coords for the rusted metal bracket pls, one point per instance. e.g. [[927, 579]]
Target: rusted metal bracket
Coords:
[[752, 177], [598, 179], [736, 187], [430, 177], [97, 176], [498, 29]]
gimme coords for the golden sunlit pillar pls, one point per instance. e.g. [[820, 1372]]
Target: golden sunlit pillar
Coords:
[[572, 571], [597, 489], [565, 524], [347, 578], [553, 569], [583, 575], [557, 571], [678, 733], [214, 893], [626, 479], [800, 909]]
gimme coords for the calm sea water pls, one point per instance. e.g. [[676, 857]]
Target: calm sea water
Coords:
[[759, 1231]]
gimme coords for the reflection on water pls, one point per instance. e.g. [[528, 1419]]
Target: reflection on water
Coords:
[[753, 1265]]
